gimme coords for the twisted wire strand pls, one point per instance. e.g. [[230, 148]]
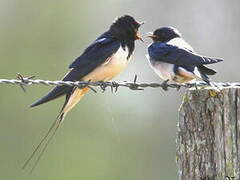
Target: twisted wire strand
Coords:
[[27, 81]]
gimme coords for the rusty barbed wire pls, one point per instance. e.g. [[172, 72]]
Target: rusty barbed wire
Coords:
[[27, 81]]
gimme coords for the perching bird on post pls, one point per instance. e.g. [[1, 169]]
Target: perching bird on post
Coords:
[[174, 60]]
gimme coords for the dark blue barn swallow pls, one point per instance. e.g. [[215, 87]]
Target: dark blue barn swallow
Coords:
[[174, 60], [104, 59]]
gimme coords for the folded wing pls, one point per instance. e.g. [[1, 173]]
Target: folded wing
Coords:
[[96, 54], [174, 55]]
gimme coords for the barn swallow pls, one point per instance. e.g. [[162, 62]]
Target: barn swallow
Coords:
[[174, 60], [104, 59]]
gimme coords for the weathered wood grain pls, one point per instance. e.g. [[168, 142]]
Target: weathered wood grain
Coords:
[[208, 138]]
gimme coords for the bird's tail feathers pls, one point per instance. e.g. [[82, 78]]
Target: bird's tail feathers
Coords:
[[72, 98], [210, 60], [205, 70], [53, 94], [206, 79], [72, 75], [45, 141]]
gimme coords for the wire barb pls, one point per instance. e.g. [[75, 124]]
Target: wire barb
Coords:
[[24, 81]]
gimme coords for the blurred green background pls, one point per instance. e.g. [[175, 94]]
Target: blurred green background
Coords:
[[127, 135]]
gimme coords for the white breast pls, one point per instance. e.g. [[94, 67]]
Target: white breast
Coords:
[[111, 67], [162, 69], [120, 57]]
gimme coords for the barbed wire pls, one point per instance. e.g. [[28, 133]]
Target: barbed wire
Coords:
[[27, 81]]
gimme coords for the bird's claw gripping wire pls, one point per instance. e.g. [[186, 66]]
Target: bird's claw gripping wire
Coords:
[[90, 87], [103, 86], [114, 86]]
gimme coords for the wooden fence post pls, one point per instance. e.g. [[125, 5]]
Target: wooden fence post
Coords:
[[208, 138]]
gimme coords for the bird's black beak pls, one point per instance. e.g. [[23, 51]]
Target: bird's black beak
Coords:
[[151, 35]]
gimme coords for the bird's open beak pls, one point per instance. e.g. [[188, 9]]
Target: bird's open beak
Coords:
[[151, 35], [141, 23], [138, 37]]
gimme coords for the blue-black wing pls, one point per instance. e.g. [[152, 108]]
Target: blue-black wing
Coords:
[[96, 54], [101, 49], [175, 55]]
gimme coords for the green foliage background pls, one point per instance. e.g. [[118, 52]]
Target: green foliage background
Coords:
[[129, 135]]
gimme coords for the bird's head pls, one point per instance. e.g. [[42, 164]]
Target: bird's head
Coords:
[[164, 34], [126, 28]]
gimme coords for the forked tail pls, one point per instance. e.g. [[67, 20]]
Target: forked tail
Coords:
[[205, 78], [72, 98]]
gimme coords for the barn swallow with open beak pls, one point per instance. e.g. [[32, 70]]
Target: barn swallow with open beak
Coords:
[[174, 60], [104, 59]]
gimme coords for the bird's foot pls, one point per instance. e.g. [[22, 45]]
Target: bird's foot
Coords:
[[195, 85], [197, 89]]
